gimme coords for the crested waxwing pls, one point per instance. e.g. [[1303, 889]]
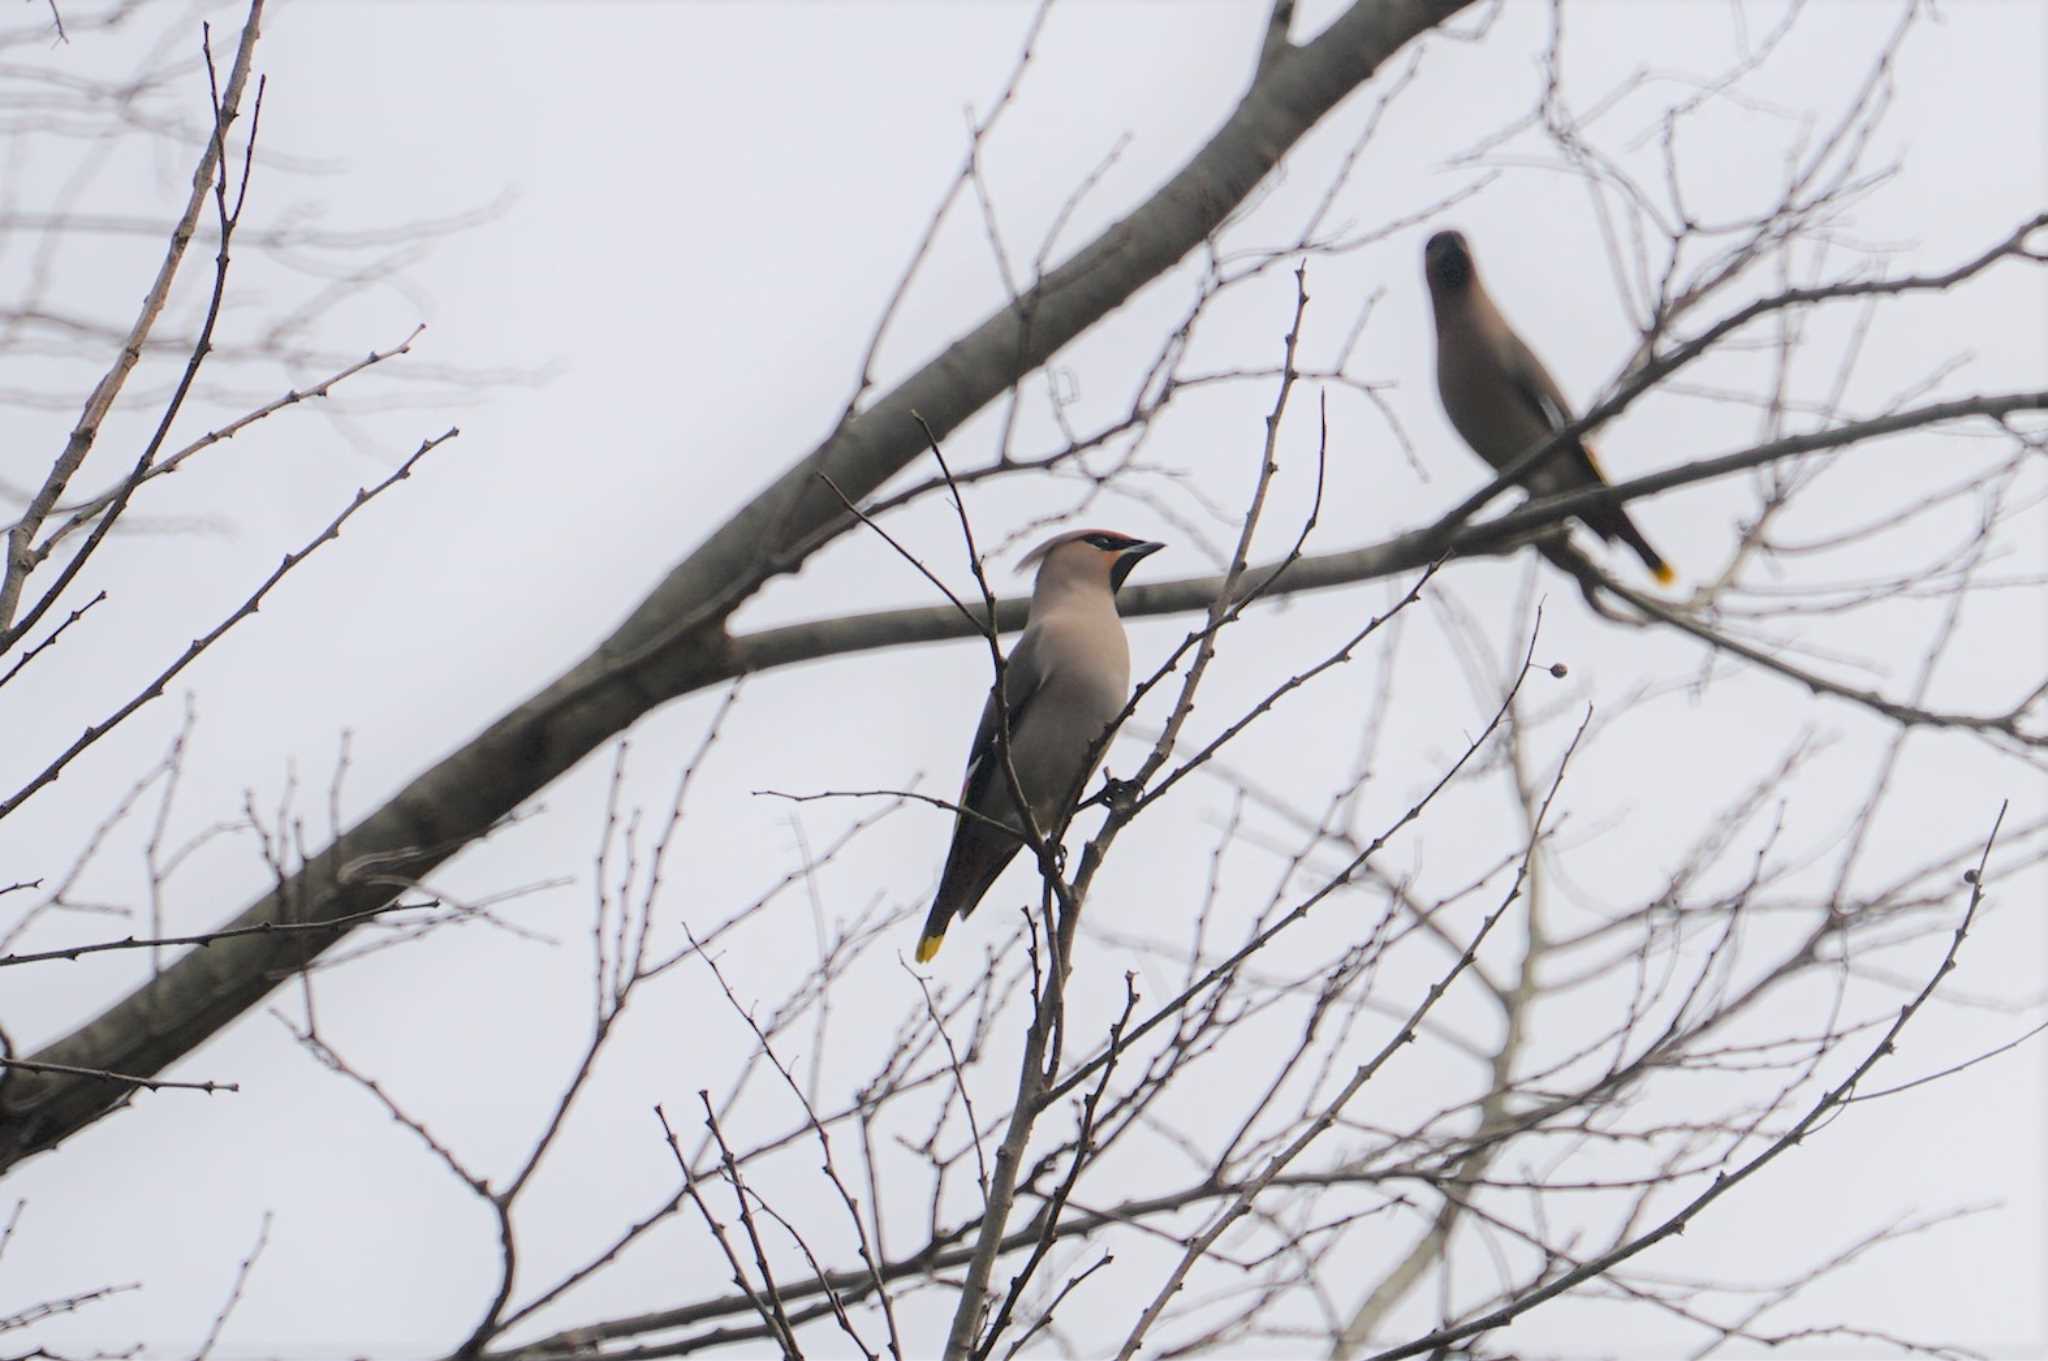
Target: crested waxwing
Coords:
[[1064, 684], [1501, 398]]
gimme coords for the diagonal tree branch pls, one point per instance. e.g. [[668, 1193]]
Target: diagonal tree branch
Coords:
[[21, 558], [674, 640]]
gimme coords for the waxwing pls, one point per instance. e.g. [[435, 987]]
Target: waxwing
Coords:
[[1066, 681], [1500, 397]]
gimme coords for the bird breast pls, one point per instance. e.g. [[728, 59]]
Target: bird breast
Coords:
[[1075, 705], [1484, 407]]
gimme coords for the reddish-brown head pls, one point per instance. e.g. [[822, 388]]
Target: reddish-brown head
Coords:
[[1096, 557]]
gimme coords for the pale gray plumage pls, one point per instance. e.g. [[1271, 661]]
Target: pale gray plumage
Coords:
[[1502, 400], [1066, 681]]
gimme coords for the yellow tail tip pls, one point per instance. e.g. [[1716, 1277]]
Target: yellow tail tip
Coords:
[[927, 946], [1665, 576]]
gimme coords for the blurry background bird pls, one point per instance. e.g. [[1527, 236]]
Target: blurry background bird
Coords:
[[1502, 400], [1067, 679]]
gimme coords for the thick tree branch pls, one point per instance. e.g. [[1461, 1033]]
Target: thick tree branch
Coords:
[[674, 641], [1411, 551]]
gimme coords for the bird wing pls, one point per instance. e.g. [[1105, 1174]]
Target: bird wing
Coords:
[[1023, 680], [1533, 386]]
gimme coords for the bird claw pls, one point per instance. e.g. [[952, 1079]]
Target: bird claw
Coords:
[[1120, 795]]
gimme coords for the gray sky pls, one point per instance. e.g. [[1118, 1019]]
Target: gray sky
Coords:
[[711, 204]]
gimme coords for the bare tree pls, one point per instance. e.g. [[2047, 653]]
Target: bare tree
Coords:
[[1240, 1137]]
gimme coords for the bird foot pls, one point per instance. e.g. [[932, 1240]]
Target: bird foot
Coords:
[[1120, 795]]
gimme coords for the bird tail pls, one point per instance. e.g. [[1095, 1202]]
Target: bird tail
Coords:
[[1613, 523], [938, 919], [977, 857]]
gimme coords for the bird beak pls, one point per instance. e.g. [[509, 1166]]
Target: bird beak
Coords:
[[1130, 558]]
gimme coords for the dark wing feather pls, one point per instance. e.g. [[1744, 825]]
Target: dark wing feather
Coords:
[[979, 852], [1534, 386], [1023, 680]]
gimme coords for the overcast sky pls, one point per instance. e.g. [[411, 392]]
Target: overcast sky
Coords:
[[703, 208]]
